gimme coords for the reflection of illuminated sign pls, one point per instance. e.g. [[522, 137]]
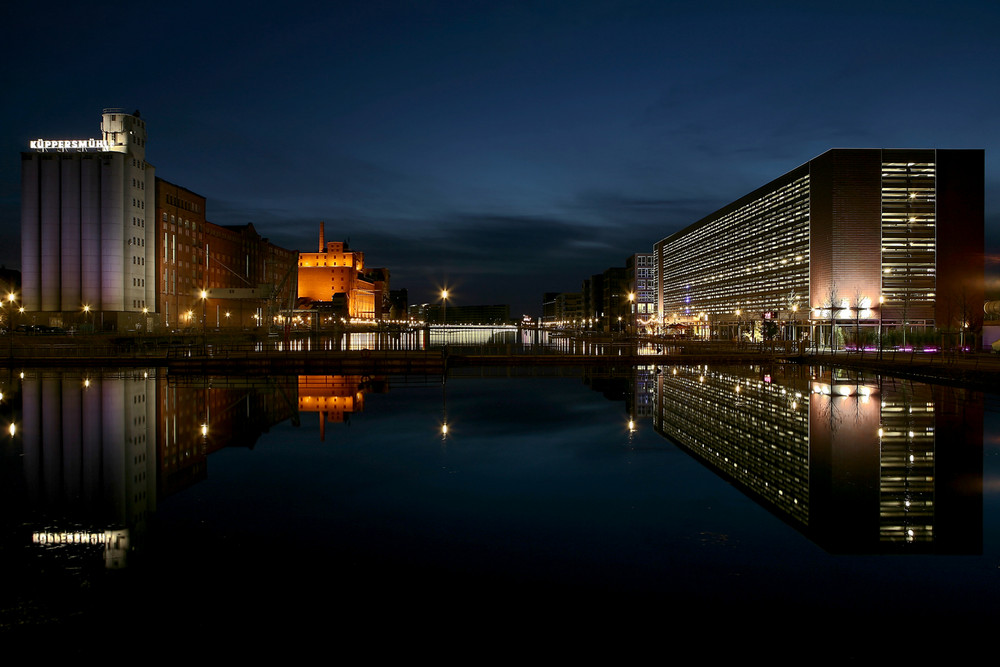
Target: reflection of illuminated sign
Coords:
[[78, 537], [70, 144], [115, 543]]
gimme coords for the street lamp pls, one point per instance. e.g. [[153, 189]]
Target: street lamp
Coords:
[[204, 310], [86, 315], [631, 311], [444, 301]]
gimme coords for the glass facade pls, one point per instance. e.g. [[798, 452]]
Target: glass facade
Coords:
[[817, 248], [909, 240], [753, 258]]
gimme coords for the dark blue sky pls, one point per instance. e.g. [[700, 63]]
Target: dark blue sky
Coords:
[[510, 148]]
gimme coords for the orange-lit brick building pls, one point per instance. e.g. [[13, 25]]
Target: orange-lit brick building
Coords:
[[335, 276]]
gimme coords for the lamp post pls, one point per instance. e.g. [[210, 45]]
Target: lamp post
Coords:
[[204, 310], [631, 312], [444, 301], [10, 323], [86, 314]]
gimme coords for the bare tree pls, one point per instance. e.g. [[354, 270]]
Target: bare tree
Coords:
[[832, 302], [860, 302]]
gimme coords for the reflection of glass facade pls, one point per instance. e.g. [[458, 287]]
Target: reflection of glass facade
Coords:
[[853, 462], [748, 427], [907, 464]]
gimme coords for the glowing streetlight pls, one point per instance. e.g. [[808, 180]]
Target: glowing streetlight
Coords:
[[444, 301], [204, 310], [631, 311]]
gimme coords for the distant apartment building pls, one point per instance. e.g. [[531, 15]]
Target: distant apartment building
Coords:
[[569, 307], [549, 308], [564, 309], [616, 306], [830, 241], [86, 228], [642, 288], [399, 301], [592, 299]]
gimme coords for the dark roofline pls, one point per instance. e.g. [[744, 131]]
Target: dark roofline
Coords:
[[181, 187]]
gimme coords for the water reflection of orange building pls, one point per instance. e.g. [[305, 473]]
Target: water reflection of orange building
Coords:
[[335, 397]]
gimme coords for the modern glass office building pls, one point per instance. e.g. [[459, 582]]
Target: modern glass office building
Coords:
[[890, 237]]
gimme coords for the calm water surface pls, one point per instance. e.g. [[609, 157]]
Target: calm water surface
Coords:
[[805, 507]]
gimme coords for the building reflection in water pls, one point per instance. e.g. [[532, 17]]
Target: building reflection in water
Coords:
[[94, 451], [336, 397], [858, 464]]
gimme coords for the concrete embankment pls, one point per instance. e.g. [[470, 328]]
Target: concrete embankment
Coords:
[[981, 371]]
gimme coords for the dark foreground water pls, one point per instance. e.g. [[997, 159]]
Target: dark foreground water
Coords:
[[732, 511]]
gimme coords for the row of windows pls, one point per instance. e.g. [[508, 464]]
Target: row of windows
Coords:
[[752, 258], [909, 237], [173, 200]]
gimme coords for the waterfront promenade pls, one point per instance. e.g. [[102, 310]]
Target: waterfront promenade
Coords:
[[228, 354]]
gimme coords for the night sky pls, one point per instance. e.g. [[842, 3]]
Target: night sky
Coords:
[[508, 148]]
